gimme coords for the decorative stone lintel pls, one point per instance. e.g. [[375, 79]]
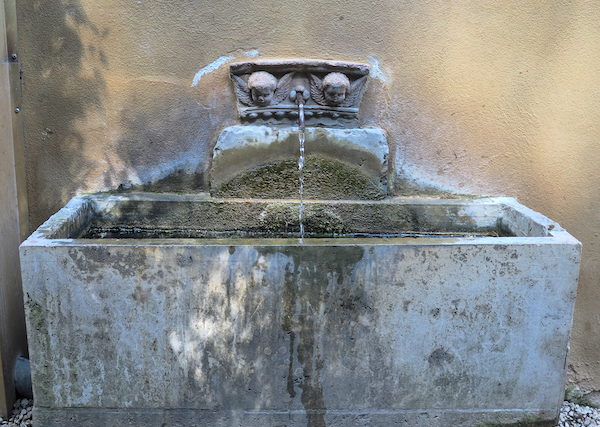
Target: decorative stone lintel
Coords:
[[332, 90]]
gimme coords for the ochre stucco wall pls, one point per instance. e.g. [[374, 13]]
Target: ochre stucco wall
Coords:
[[480, 97]]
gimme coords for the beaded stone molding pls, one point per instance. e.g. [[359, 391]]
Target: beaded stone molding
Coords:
[[266, 90]]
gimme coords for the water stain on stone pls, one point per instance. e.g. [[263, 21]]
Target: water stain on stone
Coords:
[[525, 423], [141, 294], [184, 260], [290, 379], [440, 356], [308, 275], [91, 259]]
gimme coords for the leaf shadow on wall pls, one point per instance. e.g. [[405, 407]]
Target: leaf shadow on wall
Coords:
[[162, 139], [169, 131], [62, 85]]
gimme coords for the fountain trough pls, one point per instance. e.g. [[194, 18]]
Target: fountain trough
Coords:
[[459, 329]]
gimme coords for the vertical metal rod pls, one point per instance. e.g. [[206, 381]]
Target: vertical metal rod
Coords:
[[300, 101]]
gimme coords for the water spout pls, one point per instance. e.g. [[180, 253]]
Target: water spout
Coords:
[[299, 94], [300, 101]]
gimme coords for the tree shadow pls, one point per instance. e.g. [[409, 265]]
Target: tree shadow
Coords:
[[62, 63], [169, 132]]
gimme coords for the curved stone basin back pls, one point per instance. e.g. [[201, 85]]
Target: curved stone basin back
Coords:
[[262, 162], [259, 159]]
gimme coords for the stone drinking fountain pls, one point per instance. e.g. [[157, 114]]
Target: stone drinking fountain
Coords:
[[212, 310]]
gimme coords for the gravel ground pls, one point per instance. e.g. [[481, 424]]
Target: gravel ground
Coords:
[[21, 414], [571, 415], [574, 415]]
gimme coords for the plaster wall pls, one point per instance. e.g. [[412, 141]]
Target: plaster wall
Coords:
[[477, 97]]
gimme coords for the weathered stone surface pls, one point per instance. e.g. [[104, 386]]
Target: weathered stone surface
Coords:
[[331, 90], [241, 149], [449, 331]]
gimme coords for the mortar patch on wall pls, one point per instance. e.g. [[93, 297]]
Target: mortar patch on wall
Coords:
[[216, 64], [376, 71]]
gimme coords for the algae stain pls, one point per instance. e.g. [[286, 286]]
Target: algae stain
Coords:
[[309, 274], [290, 379], [90, 260], [36, 314], [326, 178], [524, 423]]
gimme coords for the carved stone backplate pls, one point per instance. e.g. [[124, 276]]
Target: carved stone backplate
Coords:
[[266, 91]]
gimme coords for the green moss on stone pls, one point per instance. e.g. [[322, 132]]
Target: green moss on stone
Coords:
[[574, 395], [284, 217], [324, 178], [528, 422], [36, 315]]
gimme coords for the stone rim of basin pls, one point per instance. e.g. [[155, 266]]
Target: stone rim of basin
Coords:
[[466, 219]]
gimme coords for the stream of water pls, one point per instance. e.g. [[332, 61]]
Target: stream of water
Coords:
[[301, 139]]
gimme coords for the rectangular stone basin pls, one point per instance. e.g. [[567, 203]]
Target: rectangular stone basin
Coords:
[[459, 317]]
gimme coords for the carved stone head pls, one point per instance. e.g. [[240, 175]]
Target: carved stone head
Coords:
[[335, 88], [262, 86]]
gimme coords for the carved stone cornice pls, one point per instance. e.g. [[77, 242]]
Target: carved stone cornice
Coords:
[[332, 90]]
